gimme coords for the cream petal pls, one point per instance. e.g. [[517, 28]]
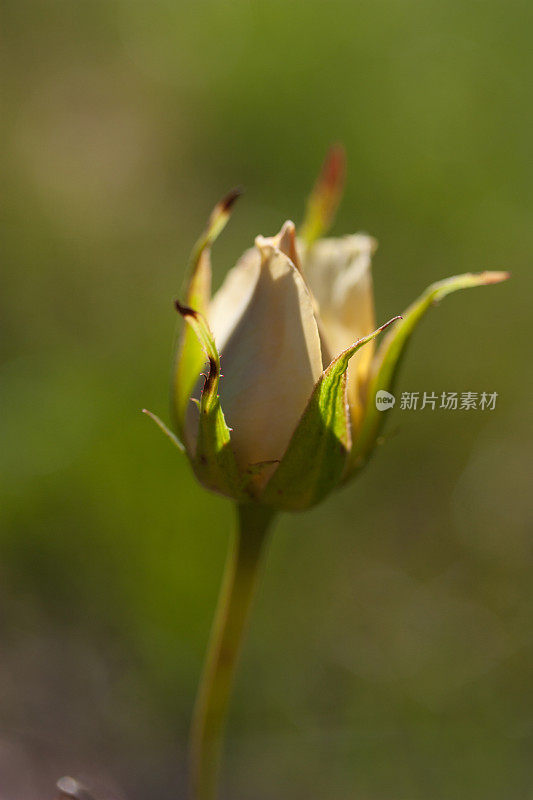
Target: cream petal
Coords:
[[265, 329], [231, 300], [339, 274], [286, 242]]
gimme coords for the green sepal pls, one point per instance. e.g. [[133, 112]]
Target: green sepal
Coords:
[[168, 433], [325, 196], [189, 357], [213, 459], [387, 358], [316, 457]]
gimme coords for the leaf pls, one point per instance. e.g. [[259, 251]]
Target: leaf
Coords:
[[325, 196], [214, 461], [316, 457], [189, 358], [387, 359]]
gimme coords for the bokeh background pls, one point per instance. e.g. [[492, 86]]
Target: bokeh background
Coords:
[[391, 651]]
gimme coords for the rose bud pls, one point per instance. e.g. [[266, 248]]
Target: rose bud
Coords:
[[293, 326]]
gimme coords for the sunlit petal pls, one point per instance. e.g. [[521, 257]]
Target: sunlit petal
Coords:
[[270, 352], [339, 275]]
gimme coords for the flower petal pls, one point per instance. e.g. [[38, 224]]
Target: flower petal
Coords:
[[339, 275], [232, 298], [270, 352]]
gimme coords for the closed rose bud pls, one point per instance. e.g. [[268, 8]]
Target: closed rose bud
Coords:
[[293, 329]]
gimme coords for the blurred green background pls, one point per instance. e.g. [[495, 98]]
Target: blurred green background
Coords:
[[391, 651]]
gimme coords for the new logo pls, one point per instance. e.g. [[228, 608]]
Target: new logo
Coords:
[[384, 400]]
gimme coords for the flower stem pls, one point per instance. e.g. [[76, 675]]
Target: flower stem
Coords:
[[233, 608]]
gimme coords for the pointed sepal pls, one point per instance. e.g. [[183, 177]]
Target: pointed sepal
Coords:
[[315, 460], [189, 356], [325, 196], [165, 429], [213, 459], [387, 358]]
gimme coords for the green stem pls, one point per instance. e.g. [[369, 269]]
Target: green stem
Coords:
[[234, 602]]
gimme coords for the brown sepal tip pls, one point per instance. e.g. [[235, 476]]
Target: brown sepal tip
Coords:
[[386, 325], [227, 202], [334, 168], [184, 310]]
